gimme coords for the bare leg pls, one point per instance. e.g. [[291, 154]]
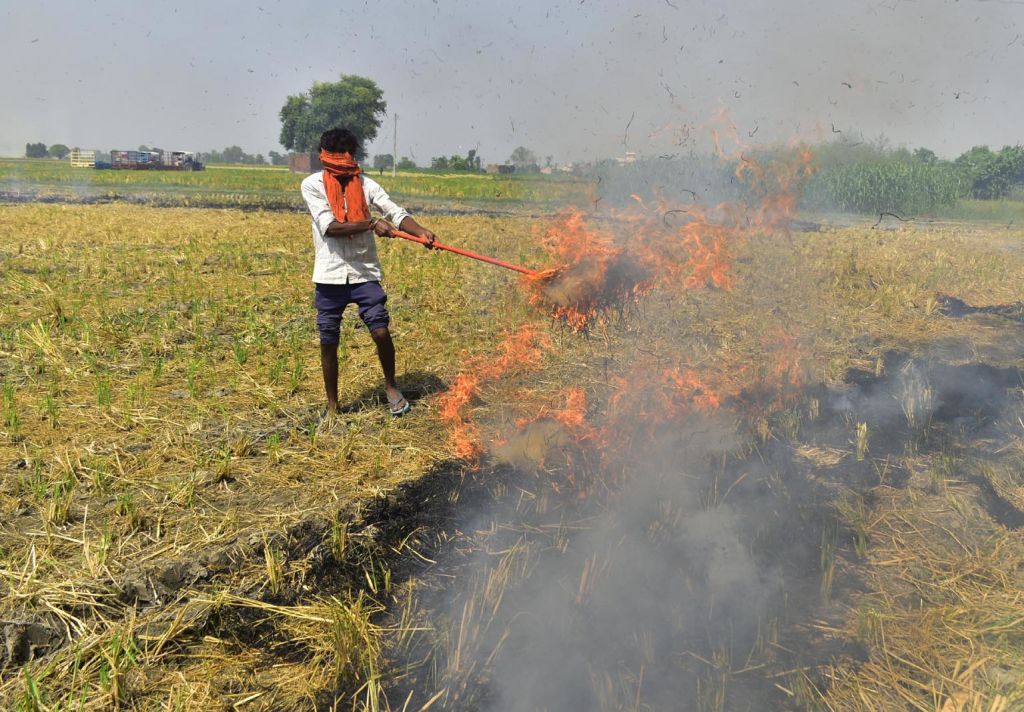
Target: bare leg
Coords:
[[386, 354], [329, 365]]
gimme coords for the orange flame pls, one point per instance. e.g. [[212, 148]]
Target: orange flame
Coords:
[[607, 263], [603, 268], [650, 395], [596, 274], [571, 415], [520, 351]]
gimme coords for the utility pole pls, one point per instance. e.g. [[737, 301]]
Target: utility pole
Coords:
[[394, 150]]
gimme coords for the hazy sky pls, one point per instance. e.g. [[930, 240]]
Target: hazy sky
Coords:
[[563, 78]]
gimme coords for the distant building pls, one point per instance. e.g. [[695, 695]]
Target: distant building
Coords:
[[304, 162], [503, 168], [630, 157]]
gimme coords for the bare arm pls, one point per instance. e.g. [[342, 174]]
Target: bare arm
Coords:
[[393, 214], [414, 228], [385, 229], [340, 229]]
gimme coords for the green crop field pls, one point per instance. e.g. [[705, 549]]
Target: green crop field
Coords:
[[271, 187]]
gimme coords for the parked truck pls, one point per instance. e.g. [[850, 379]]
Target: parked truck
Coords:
[[83, 159], [155, 161]]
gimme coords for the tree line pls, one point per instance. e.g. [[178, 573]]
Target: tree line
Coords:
[[41, 150], [235, 154], [231, 154], [847, 175], [522, 158]]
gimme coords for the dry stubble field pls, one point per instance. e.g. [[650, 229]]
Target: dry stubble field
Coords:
[[178, 532]]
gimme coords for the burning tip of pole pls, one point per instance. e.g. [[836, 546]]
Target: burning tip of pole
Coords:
[[545, 274], [591, 285], [574, 287]]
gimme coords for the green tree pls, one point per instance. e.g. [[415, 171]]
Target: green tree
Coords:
[[233, 154], [383, 161], [523, 158], [353, 102], [292, 113], [276, 159], [406, 164], [989, 174], [35, 150], [58, 150], [440, 163], [926, 156], [1012, 158], [457, 163]]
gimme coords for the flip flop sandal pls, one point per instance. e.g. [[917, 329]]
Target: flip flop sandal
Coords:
[[399, 407]]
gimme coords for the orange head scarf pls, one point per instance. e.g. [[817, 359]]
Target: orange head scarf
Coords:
[[343, 186]]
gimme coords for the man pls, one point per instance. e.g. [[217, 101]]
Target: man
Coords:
[[347, 269]]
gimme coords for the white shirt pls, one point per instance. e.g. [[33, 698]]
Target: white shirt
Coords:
[[346, 260]]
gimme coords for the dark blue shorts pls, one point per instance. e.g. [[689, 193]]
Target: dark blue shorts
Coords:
[[331, 300]]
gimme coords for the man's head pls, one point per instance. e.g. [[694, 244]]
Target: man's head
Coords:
[[339, 141]]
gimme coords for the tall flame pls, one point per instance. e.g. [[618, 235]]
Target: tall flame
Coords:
[[660, 244]]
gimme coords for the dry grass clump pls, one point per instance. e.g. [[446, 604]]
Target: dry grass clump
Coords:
[[943, 619], [159, 388]]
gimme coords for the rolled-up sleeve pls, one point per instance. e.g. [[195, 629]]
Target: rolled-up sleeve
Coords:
[[391, 211], [318, 206]]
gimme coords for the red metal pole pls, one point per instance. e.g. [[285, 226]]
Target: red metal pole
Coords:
[[467, 253]]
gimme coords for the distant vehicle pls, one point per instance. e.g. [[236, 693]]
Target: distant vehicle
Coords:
[[155, 161], [83, 159]]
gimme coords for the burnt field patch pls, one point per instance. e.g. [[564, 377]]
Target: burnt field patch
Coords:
[[717, 572], [773, 491]]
